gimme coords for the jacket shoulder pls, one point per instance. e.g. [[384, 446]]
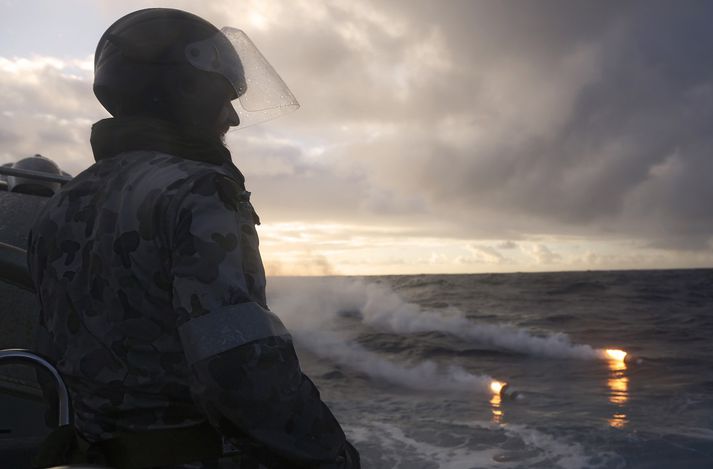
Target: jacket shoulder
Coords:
[[143, 169]]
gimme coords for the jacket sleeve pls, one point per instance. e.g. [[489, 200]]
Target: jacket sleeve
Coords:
[[245, 372]]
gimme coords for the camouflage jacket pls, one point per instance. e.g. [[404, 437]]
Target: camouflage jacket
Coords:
[[153, 294]]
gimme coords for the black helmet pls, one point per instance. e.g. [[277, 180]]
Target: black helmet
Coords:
[[142, 67], [29, 185], [177, 66]]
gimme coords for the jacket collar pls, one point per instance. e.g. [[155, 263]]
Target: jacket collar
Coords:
[[116, 135]]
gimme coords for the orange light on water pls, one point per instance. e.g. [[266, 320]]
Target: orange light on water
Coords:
[[618, 421], [498, 413], [614, 354], [618, 384], [619, 390]]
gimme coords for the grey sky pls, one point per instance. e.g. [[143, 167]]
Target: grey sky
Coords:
[[475, 120]]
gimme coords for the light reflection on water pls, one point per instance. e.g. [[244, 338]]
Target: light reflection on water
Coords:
[[618, 421], [618, 392], [496, 409]]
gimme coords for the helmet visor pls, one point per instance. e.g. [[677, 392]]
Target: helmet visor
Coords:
[[261, 93]]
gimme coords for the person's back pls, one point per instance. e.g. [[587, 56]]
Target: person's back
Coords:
[[153, 297], [100, 256]]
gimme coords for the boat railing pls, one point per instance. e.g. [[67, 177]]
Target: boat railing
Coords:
[[22, 356]]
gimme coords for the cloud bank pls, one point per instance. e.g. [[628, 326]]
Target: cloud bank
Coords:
[[490, 121]]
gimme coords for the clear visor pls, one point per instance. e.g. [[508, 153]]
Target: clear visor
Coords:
[[261, 93]]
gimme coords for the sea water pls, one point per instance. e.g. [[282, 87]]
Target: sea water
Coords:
[[405, 363]]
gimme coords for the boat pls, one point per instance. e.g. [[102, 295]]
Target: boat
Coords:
[[23, 406]]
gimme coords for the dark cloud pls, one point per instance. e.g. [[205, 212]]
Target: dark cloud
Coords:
[[495, 119], [555, 117]]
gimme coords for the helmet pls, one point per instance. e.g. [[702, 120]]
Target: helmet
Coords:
[[176, 66], [29, 185]]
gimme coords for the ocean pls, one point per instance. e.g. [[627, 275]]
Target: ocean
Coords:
[[406, 365]]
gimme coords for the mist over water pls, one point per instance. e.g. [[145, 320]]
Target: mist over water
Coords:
[[425, 375], [405, 363], [311, 311], [303, 300]]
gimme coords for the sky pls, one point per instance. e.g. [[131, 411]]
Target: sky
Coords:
[[433, 137]]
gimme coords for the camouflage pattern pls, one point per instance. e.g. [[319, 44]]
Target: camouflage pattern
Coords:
[[129, 252]]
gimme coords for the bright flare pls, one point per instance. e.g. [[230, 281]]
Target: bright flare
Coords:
[[618, 355], [496, 386]]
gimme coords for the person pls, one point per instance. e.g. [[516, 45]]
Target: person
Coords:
[[148, 271]]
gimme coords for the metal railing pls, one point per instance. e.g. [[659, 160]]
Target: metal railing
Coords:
[[39, 175], [22, 356]]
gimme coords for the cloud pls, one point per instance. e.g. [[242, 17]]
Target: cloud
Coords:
[[541, 254], [48, 108], [568, 138], [484, 255], [507, 245], [461, 120], [302, 263], [8, 137]]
